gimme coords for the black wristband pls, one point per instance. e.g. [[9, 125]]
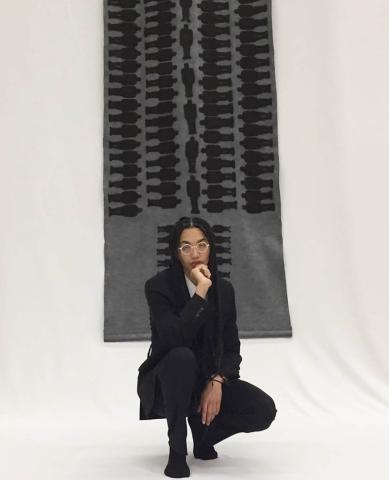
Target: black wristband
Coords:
[[214, 380], [212, 377]]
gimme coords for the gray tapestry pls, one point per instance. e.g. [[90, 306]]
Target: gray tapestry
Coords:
[[191, 130]]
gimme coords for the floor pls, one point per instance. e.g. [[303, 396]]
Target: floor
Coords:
[[291, 449]]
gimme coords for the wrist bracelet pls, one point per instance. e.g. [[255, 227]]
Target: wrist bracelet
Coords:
[[214, 380]]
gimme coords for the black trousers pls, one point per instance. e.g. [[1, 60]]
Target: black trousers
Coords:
[[244, 407]]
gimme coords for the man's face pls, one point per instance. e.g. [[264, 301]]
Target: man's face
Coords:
[[192, 236]]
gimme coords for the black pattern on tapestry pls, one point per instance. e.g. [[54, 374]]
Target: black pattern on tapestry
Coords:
[[191, 129]]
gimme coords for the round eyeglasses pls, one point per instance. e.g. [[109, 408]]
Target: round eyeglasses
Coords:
[[187, 249]]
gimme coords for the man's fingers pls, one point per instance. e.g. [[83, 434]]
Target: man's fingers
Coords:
[[205, 270], [206, 413], [203, 412], [210, 414], [210, 408], [210, 417]]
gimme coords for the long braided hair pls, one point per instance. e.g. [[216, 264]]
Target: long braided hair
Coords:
[[212, 349]]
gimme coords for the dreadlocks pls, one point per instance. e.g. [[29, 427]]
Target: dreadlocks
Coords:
[[212, 339]]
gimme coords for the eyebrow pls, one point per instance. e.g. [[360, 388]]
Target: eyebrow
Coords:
[[198, 241]]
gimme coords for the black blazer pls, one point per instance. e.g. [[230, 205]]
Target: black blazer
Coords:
[[175, 319]]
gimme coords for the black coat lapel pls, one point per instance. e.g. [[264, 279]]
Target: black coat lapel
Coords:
[[180, 289]]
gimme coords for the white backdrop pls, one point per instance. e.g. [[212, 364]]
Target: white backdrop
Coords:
[[68, 402]]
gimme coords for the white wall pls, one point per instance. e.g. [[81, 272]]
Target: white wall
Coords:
[[332, 75]]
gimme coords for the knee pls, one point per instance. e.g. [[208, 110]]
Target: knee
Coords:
[[269, 412], [264, 415], [181, 358]]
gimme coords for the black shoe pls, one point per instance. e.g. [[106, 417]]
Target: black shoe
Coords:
[[200, 448], [204, 452], [177, 466]]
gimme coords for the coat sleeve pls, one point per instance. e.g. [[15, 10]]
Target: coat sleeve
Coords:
[[174, 328], [231, 359]]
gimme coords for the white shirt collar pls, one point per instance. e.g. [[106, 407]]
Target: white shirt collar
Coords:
[[191, 286]]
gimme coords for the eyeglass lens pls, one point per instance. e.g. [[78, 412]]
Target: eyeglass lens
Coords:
[[201, 248]]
